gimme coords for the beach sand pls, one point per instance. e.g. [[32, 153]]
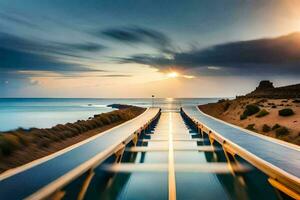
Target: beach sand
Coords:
[[231, 110]]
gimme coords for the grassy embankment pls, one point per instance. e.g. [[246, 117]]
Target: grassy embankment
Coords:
[[277, 118], [21, 146]]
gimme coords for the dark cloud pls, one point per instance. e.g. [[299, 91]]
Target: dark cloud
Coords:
[[276, 56], [17, 19], [147, 59], [90, 47], [11, 59], [281, 50], [42, 46], [138, 35], [18, 53], [77, 74]]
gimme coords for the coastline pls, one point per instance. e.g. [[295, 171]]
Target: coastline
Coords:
[[28, 145]]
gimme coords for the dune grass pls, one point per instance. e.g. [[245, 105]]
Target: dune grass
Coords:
[[262, 113], [40, 140]]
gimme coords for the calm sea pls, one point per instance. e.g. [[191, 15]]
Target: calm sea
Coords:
[[46, 112]]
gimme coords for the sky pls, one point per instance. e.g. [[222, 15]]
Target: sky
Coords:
[[139, 48]]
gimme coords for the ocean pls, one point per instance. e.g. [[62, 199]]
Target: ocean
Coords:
[[47, 112]]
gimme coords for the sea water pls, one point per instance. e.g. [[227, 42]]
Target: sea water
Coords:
[[47, 112]]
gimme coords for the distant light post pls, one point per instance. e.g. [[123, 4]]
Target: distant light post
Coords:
[[152, 100]]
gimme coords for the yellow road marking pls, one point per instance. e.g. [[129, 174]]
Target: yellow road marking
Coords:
[[218, 168], [166, 148], [172, 181]]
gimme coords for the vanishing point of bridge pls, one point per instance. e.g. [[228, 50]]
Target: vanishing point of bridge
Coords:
[[163, 154]]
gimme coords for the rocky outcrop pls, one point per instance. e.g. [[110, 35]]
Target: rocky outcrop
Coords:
[[266, 89], [264, 85]]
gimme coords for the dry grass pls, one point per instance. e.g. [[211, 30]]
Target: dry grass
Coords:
[[271, 106], [22, 146]]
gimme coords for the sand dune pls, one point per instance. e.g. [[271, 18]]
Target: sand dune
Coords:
[[231, 110]]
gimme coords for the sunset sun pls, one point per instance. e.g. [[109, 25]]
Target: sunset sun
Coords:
[[172, 75]]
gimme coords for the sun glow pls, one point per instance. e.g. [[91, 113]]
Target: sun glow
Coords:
[[172, 75]]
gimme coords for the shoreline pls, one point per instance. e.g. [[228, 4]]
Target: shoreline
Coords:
[[28, 145]]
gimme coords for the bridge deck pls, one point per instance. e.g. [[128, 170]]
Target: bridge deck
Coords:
[[68, 164], [282, 159], [175, 170]]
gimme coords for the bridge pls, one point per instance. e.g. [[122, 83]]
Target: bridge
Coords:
[[163, 154]]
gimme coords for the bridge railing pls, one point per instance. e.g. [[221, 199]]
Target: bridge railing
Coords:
[[279, 178], [46, 177]]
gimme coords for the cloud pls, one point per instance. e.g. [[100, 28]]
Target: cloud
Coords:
[[14, 60], [213, 68], [34, 82], [139, 35], [89, 47], [17, 19], [18, 53], [147, 59], [279, 55], [40, 46], [115, 75], [75, 74]]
